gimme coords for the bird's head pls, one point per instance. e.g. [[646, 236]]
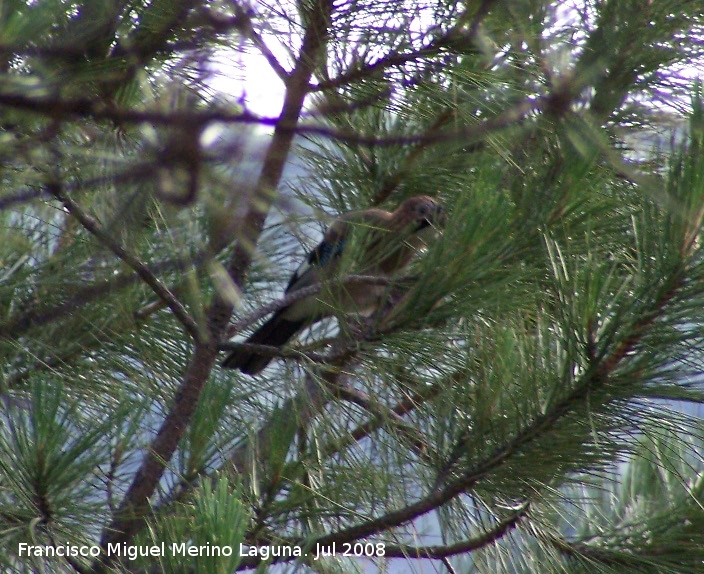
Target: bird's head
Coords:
[[422, 211]]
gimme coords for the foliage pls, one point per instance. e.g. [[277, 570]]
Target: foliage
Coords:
[[529, 398]]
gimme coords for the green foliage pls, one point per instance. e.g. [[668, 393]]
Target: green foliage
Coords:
[[53, 451], [212, 524], [528, 398]]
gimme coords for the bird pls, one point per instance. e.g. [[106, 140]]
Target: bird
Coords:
[[372, 242]]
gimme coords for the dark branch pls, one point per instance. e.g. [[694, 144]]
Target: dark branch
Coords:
[[439, 552], [130, 517], [244, 25], [144, 273], [432, 48], [64, 109]]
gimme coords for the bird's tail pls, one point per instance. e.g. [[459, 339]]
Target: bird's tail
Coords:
[[275, 332]]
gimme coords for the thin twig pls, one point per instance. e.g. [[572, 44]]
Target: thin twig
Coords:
[[395, 59], [387, 418], [445, 551], [403, 407], [242, 21], [161, 291], [244, 25], [446, 563]]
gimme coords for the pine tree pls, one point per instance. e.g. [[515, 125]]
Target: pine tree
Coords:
[[528, 397]]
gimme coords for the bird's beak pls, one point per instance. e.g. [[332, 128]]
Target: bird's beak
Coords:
[[437, 219]]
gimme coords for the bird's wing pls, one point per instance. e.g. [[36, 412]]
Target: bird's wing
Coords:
[[323, 256]]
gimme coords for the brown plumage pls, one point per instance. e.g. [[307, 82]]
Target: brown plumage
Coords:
[[371, 242]]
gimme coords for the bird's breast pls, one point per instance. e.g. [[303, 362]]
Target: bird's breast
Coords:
[[350, 298]]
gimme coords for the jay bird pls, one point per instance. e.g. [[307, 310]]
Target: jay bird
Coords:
[[372, 242]]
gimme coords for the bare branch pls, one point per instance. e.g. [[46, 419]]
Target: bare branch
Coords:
[[242, 21]]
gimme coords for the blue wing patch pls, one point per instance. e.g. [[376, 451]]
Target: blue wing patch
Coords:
[[322, 255], [326, 252]]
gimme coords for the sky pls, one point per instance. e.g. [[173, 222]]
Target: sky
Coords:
[[247, 77]]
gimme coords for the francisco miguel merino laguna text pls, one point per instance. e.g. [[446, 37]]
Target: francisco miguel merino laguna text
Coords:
[[132, 552]]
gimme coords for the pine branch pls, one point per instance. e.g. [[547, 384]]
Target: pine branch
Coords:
[[390, 421], [615, 327], [440, 495], [312, 399], [129, 519], [413, 155], [64, 109], [438, 552], [147, 39], [403, 407], [244, 25], [428, 552], [604, 556], [432, 48], [144, 273], [22, 322]]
